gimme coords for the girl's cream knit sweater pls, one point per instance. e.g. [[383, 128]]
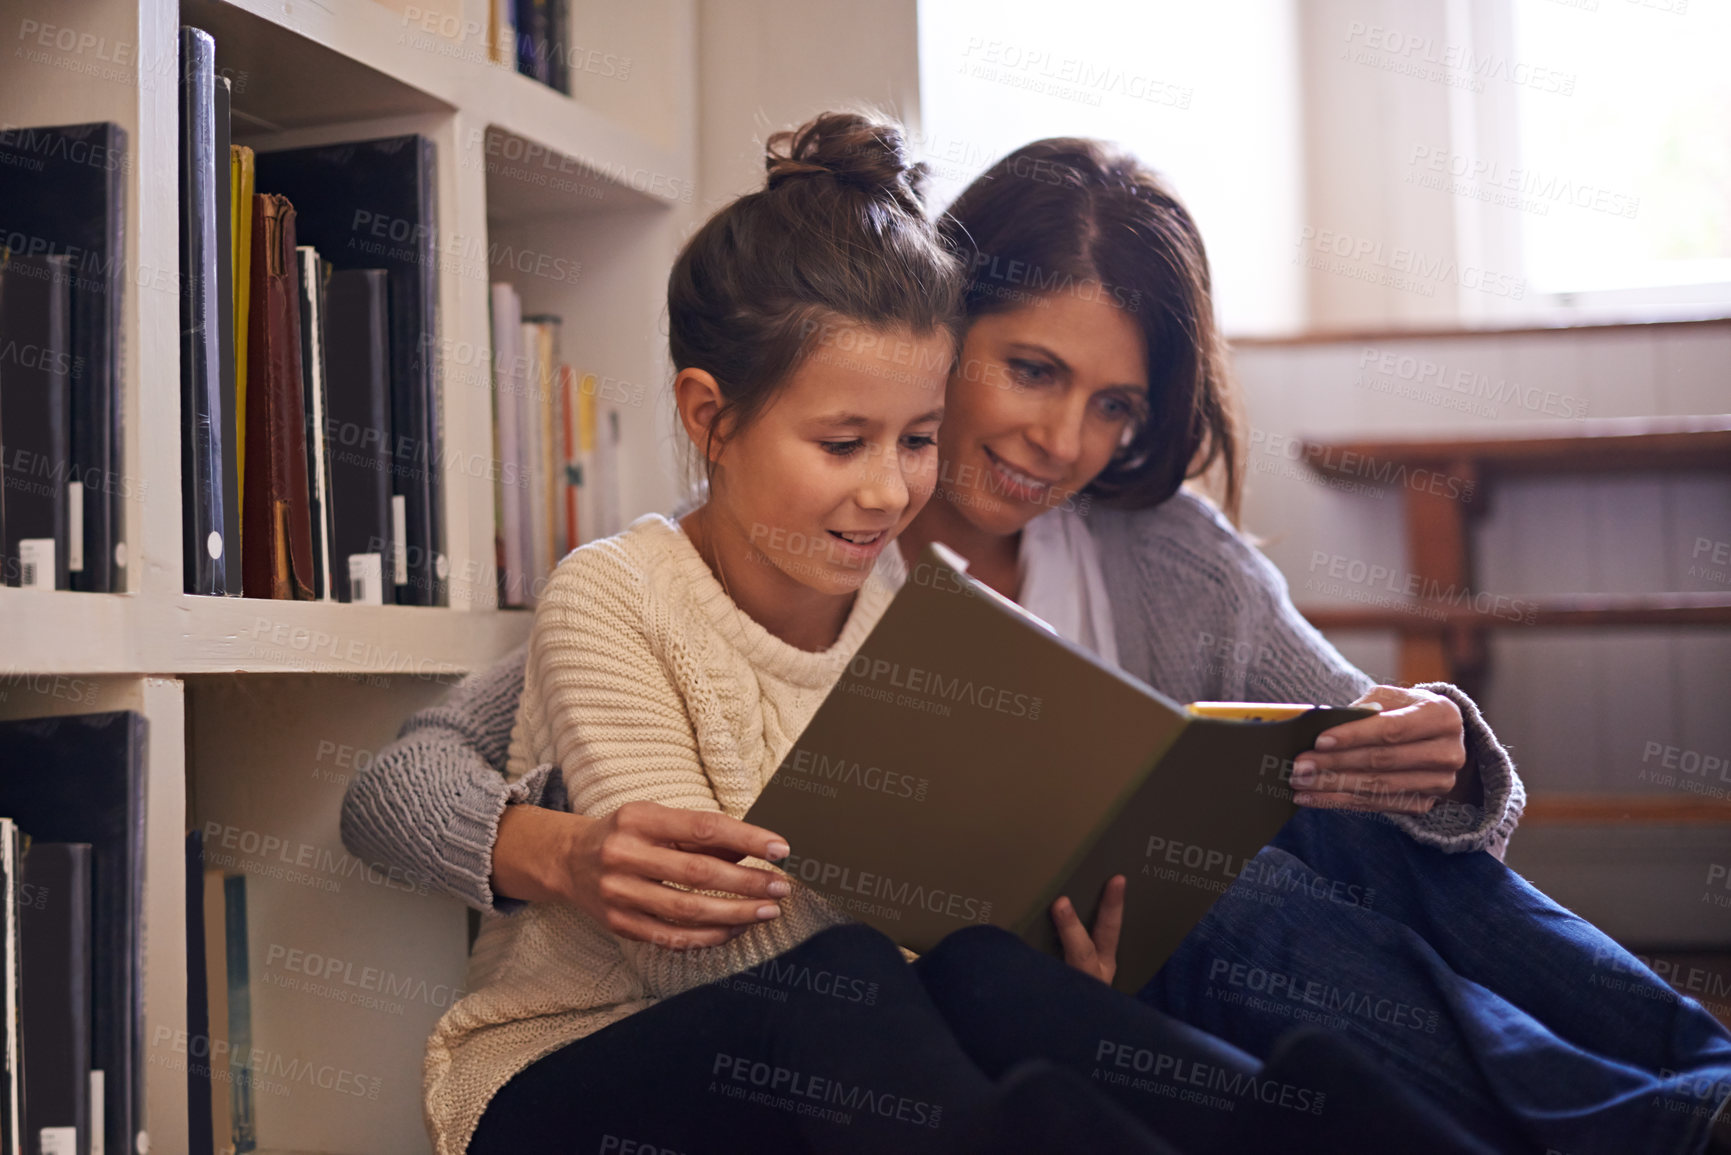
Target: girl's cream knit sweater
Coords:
[[644, 681]]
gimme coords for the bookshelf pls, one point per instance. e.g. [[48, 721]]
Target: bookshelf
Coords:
[[258, 710]]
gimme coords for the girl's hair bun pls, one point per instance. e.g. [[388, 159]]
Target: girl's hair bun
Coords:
[[854, 150]]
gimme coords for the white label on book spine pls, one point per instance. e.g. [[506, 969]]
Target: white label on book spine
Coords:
[[36, 563], [75, 526], [57, 1141], [367, 579], [400, 539], [98, 1115]]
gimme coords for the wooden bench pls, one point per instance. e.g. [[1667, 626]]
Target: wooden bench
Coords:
[[1441, 640]]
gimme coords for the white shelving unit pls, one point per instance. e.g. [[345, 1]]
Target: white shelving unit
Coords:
[[259, 711]]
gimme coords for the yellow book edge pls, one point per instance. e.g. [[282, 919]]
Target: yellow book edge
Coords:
[[241, 182]]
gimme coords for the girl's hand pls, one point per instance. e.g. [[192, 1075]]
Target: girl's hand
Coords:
[[613, 869], [1403, 761], [1095, 954]]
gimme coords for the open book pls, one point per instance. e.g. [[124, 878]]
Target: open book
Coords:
[[970, 766]]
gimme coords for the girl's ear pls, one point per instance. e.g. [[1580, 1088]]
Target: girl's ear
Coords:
[[697, 396]]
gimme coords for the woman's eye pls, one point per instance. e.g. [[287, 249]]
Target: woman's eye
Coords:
[[919, 441], [1030, 372], [841, 448], [1117, 408]]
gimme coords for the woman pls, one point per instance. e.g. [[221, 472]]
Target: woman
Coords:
[[1090, 374]]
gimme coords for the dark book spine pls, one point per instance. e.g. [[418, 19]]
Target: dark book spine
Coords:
[[64, 195], [96, 795], [11, 1027], [35, 368], [231, 554], [199, 1073], [55, 927], [523, 12], [202, 545], [559, 45], [357, 431], [98, 494]]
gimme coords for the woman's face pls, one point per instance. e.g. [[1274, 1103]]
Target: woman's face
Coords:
[[1040, 399]]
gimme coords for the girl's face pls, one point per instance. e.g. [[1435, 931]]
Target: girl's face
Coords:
[[1040, 399], [842, 458]]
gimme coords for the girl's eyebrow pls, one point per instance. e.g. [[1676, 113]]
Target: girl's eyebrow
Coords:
[[844, 419]]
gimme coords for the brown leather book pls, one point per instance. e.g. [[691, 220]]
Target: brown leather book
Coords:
[[276, 524]]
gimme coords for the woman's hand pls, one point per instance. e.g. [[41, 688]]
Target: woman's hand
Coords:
[[613, 869], [1095, 954], [1403, 761]]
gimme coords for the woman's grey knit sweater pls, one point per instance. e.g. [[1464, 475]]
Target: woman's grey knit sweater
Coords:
[[1199, 614]]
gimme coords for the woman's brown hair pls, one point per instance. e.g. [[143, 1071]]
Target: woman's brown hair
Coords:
[[1063, 214], [839, 235]]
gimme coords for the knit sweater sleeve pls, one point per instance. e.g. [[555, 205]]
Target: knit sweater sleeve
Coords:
[[430, 802], [606, 660], [1203, 614], [1300, 665]]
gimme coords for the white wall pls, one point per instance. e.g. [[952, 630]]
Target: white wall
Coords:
[[766, 65]]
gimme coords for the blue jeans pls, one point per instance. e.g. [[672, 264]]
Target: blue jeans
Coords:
[[1526, 1024]]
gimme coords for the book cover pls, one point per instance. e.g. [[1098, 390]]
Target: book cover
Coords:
[[95, 794], [228, 424], [203, 570], [55, 929], [509, 378], [971, 765], [535, 465], [65, 195], [373, 205], [276, 523], [11, 1042], [241, 179], [213, 964], [357, 432], [200, 1138], [243, 1127], [311, 282], [35, 369]]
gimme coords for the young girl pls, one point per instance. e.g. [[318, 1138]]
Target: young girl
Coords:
[[811, 327]]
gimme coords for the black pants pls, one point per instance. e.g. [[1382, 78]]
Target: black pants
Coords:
[[984, 1045]]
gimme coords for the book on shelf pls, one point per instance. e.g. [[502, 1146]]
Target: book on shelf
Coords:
[[228, 424], [357, 433], [64, 196], [81, 779], [55, 926], [275, 522], [971, 766], [541, 338], [510, 493], [541, 30], [313, 368], [204, 570], [373, 204], [200, 1115], [12, 1020], [556, 449], [241, 184], [35, 417]]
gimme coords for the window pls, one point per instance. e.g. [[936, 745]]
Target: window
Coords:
[[1625, 181]]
